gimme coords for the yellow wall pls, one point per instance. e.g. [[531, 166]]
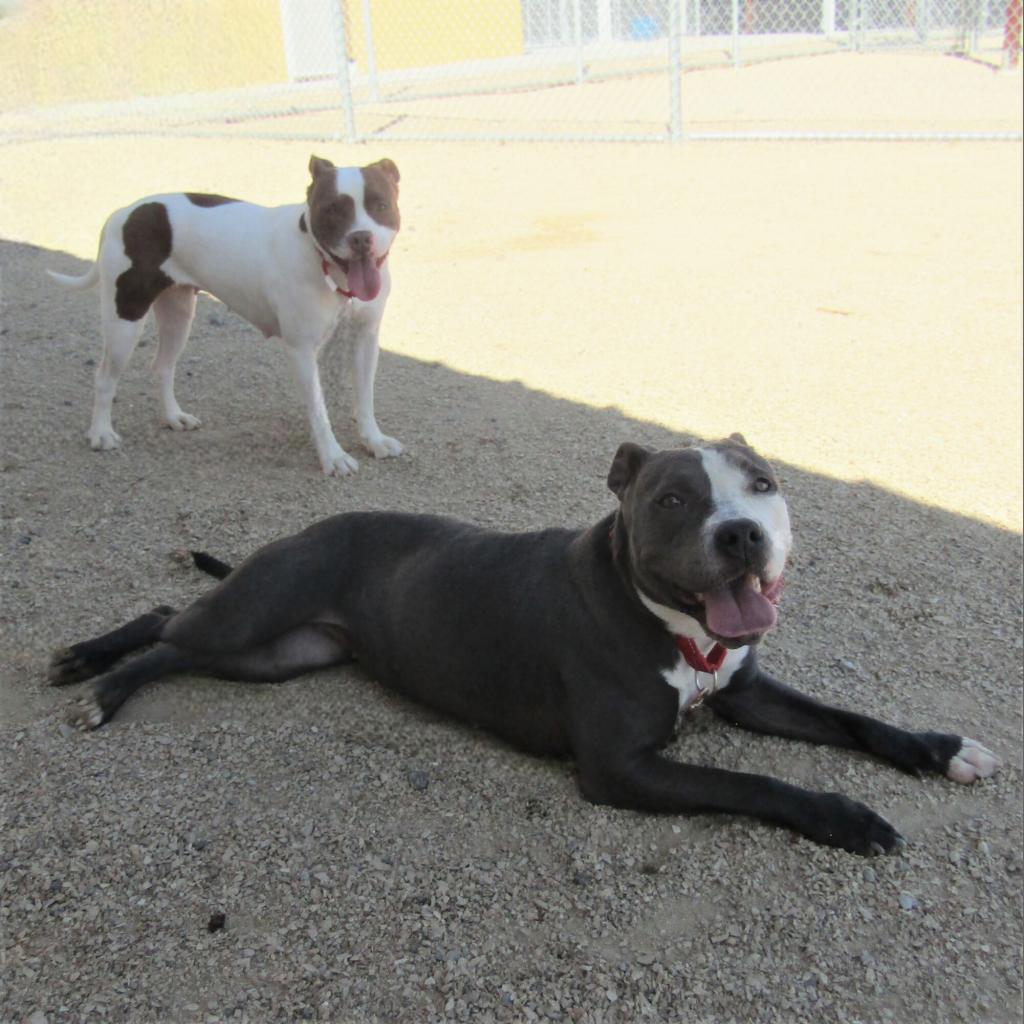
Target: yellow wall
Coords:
[[67, 51], [411, 33], [70, 51]]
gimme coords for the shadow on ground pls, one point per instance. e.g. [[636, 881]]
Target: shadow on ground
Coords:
[[375, 861]]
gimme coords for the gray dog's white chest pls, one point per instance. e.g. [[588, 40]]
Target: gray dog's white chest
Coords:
[[690, 684]]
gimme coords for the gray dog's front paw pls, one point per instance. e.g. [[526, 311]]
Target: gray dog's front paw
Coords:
[[971, 762], [67, 666], [86, 714], [852, 826]]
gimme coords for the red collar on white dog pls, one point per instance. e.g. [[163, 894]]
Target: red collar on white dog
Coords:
[[325, 266], [331, 283]]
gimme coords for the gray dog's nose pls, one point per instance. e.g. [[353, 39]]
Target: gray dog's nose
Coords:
[[740, 539], [360, 242]]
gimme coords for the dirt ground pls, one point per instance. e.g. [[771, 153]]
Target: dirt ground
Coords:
[[854, 309]]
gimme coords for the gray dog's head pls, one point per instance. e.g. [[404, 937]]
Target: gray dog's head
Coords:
[[708, 535]]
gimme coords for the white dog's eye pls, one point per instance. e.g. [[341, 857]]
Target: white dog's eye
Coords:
[[763, 485], [670, 501]]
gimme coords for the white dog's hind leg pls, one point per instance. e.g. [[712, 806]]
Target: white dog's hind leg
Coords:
[[119, 340], [174, 309], [333, 458], [366, 350]]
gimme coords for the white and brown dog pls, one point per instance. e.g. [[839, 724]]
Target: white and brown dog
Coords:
[[297, 272]]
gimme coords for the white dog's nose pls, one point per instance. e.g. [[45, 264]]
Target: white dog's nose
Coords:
[[360, 242]]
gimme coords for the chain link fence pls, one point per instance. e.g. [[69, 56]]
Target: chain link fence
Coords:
[[652, 70]]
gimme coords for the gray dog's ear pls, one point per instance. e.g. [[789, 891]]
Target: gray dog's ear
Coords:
[[626, 464], [738, 438], [318, 165]]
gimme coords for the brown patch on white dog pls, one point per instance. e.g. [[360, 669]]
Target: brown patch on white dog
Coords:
[[330, 215], [381, 196], [147, 243]]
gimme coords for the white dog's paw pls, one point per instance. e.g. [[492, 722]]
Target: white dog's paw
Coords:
[[382, 446], [339, 463], [182, 421], [104, 440], [86, 714], [971, 762]]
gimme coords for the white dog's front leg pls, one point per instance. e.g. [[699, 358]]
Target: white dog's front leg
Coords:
[[366, 350], [333, 458]]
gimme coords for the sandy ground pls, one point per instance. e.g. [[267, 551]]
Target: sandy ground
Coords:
[[855, 310]]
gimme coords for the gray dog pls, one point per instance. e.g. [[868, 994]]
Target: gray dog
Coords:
[[561, 641]]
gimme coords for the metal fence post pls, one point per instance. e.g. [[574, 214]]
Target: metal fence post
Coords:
[[577, 39], [675, 69], [371, 53], [828, 17], [735, 33], [341, 57], [923, 18]]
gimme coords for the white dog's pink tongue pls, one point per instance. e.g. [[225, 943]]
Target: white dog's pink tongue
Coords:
[[364, 278], [738, 610]]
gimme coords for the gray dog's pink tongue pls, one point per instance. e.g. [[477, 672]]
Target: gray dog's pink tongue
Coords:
[[364, 278], [738, 610]]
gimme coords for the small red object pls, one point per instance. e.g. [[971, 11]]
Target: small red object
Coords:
[[709, 663]]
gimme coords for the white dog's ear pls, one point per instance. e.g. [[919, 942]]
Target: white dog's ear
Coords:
[[625, 466], [389, 169], [318, 165], [739, 439]]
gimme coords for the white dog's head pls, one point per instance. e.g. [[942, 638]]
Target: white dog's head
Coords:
[[353, 217]]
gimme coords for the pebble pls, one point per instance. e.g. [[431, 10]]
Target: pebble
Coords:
[[907, 900], [418, 779]]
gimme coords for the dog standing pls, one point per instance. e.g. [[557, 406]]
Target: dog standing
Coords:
[[586, 642], [295, 272]]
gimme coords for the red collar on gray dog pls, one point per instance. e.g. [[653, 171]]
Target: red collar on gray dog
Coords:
[[708, 663]]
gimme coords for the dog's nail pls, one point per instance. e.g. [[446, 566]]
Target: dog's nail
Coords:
[[877, 850]]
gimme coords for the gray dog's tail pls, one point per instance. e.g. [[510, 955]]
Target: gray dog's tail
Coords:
[[210, 565]]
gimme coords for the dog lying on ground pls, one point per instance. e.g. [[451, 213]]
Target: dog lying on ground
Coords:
[[297, 272], [586, 642]]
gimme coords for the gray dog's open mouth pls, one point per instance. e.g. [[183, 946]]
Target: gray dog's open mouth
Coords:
[[744, 607]]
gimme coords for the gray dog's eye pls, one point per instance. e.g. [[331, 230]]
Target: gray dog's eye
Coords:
[[763, 485], [670, 501]]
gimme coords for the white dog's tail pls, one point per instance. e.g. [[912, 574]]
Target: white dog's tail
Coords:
[[87, 280]]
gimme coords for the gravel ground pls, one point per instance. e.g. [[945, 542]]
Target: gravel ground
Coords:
[[374, 862]]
